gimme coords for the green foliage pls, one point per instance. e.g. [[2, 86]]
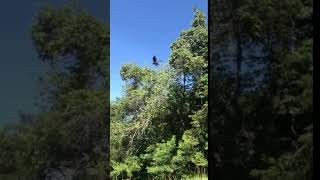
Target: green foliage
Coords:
[[77, 54], [197, 177], [69, 135], [262, 89], [293, 165], [163, 112], [190, 51], [159, 156], [130, 165], [189, 152], [296, 81]]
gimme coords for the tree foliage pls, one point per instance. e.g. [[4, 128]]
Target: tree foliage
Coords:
[[261, 76], [161, 119], [68, 139]]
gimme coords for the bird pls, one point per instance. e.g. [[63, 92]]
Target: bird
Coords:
[[155, 61]]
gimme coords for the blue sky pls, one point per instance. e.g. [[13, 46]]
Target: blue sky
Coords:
[[143, 28], [19, 63]]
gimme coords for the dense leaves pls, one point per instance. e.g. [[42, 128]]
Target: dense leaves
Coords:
[[261, 76], [160, 122], [68, 139]]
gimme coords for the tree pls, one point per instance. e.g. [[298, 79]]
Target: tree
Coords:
[[163, 110], [257, 47], [69, 138]]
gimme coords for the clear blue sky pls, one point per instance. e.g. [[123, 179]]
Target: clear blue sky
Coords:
[[19, 64], [143, 28]]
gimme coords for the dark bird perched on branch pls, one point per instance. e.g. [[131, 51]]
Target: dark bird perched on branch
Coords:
[[155, 61]]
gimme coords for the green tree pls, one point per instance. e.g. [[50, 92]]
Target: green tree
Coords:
[[163, 109], [261, 68], [69, 137]]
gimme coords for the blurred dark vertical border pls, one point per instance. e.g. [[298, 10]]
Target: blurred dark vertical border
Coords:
[[67, 134], [108, 92], [209, 155], [266, 165], [316, 75]]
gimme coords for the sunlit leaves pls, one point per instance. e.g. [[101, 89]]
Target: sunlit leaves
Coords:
[[159, 117]]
